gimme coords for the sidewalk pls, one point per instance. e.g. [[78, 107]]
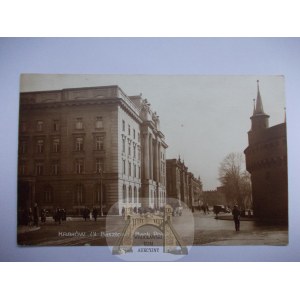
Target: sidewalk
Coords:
[[276, 238], [24, 228]]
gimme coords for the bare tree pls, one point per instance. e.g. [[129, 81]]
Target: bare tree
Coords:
[[235, 180]]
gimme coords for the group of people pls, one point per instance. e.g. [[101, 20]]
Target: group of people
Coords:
[[60, 215], [87, 214]]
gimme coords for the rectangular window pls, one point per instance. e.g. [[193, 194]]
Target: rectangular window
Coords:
[[123, 125], [99, 165], [39, 169], [123, 145], [99, 122], [129, 168], [134, 150], [134, 133], [134, 170], [79, 166], [139, 153], [79, 123], [79, 144], [56, 145], [55, 168], [40, 146], [129, 149], [124, 167], [99, 143], [128, 129], [39, 125], [56, 126]]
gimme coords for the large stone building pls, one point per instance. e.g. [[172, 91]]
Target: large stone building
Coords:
[[266, 161], [182, 185], [89, 147]]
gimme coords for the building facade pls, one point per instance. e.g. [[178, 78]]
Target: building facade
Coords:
[[89, 147], [215, 197], [266, 161], [182, 185]]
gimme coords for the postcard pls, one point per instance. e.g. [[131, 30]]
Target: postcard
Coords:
[[152, 165]]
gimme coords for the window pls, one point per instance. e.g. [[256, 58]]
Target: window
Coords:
[[129, 148], [134, 150], [79, 194], [129, 168], [130, 194], [56, 126], [79, 144], [134, 170], [135, 194], [123, 145], [56, 145], [99, 165], [139, 153], [99, 143], [55, 168], [124, 193], [48, 192], [39, 168], [79, 166], [134, 133], [123, 125], [79, 123], [39, 125], [139, 137], [124, 167], [139, 172], [128, 129], [40, 146], [99, 123]]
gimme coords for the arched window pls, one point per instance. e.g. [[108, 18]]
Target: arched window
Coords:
[[130, 194], [124, 193]]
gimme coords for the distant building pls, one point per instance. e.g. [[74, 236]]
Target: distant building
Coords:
[[214, 197], [266, 161], [91, 147], [182, 185]]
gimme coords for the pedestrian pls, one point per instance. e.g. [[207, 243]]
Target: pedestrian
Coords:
[[43, 215], [30, 217], [35, 215], [95, 214], [236, 217], [58, 215]]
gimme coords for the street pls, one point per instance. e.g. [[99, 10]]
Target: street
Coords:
[[205, 230]]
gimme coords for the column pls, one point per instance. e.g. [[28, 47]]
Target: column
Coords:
[[146, 156], [150, 157]]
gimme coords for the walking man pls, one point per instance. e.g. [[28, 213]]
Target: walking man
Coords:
[[236, 217]]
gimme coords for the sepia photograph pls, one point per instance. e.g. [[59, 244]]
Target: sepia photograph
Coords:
[[152, 164]]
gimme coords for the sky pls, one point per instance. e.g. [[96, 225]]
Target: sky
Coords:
[[203, 118]]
